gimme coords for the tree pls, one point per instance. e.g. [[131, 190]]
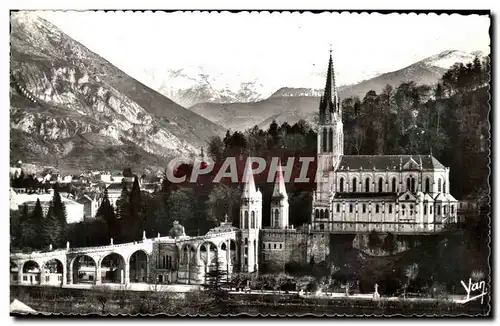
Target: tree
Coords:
[[59, 213], [51, 228], [35, 227], [122, 203], [107, 213], [135, 215], [216, 286]]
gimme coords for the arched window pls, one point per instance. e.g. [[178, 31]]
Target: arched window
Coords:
[[390, 208], [408, 184], [316, 214], [439, 185], [327, 215], [338, 208], [252, 220], [341, 185], [276, 218], [321, 214], [412, 184], [393, 184], [380, 184], [376, 208], [425, 209], [427, 185], [245, 220], [330, 140], [444, 187], [350, 208], [325, 139], [354, 184], [367, 185], [364, 208]]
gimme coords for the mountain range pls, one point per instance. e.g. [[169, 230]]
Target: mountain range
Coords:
[[292, 104], [71, 107]]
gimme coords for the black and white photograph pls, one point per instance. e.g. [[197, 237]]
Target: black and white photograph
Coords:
[[250, 163]]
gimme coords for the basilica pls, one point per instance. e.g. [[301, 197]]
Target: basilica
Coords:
[[386, 193]]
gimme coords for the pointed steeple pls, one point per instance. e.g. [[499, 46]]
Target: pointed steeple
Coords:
[[328, 103], [279, 184], [249, 189]]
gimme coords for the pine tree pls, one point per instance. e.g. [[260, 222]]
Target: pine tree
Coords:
[[107, 213], [216, 281], [122, 203], [136, 216], [59, 212], [35, 227], [50, 228]]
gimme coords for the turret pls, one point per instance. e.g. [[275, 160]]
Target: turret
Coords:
[[279, 202]]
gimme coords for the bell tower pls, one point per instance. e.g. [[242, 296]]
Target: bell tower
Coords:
[[330, 146], [250, 223], [279, 202]]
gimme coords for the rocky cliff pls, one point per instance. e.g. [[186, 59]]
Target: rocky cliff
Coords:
[[65, 98]]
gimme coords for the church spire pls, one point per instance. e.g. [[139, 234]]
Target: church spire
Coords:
[[249, 189], [329, 100], [279, 184]]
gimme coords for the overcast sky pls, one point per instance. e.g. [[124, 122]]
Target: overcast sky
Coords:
[[277, 49]]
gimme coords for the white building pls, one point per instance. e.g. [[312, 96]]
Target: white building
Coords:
[[387, 193], [74, 210]]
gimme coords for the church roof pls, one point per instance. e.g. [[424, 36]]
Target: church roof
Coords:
[[387, 162], [279, 190], [366, 195], [249, 189]]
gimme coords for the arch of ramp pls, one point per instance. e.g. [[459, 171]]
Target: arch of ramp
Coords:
[[31, 272], [83, 269], [207, 253], [187, 254], [223, 247], [53, 272], [112, 268], [138, 264]]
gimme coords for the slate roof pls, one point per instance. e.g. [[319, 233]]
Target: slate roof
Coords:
[[386, 162]]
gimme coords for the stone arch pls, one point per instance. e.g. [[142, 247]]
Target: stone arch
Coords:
[[325, 139], [252, 225], [188, 255], [84, 269], [380, 184], [354, 184], [14, 271], [53, 272], [138, 263], [330, 139], [112, 267], [31, 272], [208, 253], [341, 184], [14, 267]]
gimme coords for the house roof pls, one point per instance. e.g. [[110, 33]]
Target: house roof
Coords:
[[386, 162]]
